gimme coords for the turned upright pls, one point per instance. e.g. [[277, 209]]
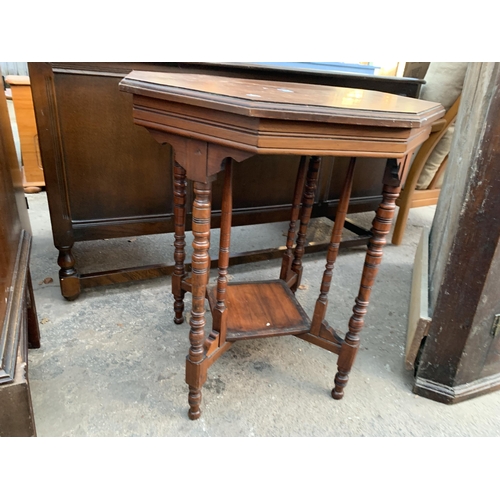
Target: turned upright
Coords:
[[213, 123]]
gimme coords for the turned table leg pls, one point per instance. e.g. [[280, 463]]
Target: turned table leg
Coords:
[[333, 250], [219, 314], [195, 368], [305, 216], [380, 229], [286, 264], [180, 241]]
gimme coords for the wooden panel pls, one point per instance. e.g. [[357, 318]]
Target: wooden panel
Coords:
[[369, 173], [418, 317], [461, 350], [473, 109], [28, 133], [12, 327], [18, 321], [94, 120], [487, 352], [11, 225], [167, 128], [16, 409], [425, 197], [258, 190]]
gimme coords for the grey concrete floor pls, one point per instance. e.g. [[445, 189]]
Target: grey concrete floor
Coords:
[[112, 362]]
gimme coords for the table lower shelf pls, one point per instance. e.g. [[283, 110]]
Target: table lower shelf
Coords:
[[261, 309]]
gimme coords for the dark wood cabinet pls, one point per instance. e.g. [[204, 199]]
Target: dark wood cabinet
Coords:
[[460, 356], [91, 151], [18, 319]]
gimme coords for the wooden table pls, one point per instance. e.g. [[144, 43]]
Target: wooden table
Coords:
[[213, 122]]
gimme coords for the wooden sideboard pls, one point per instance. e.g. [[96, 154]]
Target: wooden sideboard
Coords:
[[91, 150], [18, 318]]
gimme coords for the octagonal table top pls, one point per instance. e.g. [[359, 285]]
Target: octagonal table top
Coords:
[[285, 100]]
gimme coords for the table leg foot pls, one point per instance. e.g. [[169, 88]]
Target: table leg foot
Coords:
[[194, 400], [341, 380]]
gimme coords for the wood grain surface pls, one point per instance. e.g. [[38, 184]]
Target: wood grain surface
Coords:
[[261, 98], [262, 309]]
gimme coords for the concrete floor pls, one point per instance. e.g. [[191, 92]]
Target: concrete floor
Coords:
[[112, 362]]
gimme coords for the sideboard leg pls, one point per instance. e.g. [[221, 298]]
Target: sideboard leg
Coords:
[[68, 275], [380, 229], [200, 264], [180, 241]]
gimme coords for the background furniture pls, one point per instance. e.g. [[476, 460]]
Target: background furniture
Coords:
[[412, 196], [212, 121], [444, 82], [459, 357], [18, 318], [33, 179], [91, 152]]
